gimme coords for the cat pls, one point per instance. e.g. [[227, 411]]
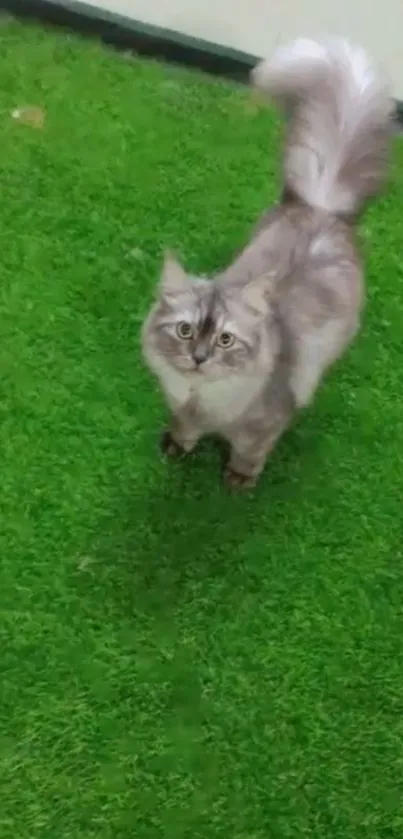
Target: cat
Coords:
[[239, 354]]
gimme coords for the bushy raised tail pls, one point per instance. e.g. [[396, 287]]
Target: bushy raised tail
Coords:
[[340, 120]]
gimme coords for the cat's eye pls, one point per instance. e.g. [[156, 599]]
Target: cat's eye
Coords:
[[226, 340], [184, 330]]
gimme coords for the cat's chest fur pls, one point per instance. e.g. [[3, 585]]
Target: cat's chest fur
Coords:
[[216, 402]]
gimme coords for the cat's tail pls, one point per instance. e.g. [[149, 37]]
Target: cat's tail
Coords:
[[339, 122]]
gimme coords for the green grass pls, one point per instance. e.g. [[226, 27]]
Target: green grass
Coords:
[[176, 662]]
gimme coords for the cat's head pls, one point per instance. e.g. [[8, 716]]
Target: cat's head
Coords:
[[206, 328]]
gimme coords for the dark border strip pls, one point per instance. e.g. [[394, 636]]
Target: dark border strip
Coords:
[[126, 34]]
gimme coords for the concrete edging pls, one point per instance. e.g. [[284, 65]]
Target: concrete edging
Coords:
[[127, 34]]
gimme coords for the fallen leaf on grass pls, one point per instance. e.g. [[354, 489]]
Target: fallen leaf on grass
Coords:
[[129, 55], [136, 253], [85, 563], [6, 18], [30, 115]]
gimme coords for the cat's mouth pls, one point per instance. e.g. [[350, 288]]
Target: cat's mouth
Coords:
[[198, 371], [204, 372]]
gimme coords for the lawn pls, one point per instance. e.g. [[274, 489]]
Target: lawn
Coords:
[[178, 662]]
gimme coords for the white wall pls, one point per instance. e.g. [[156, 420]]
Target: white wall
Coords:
[[255, 26]]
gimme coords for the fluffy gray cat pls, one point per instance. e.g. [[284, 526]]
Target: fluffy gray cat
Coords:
[[238, 354]]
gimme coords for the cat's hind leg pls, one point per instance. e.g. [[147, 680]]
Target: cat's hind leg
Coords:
[[252, 443]]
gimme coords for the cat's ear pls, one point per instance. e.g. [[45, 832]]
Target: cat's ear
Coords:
[[174, 279], [256, 294]]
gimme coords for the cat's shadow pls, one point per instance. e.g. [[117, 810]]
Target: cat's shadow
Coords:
[[181, 527]]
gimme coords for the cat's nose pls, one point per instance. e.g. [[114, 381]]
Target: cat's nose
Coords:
[[199, 356]]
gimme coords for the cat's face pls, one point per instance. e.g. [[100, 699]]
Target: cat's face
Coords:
[[200, 329]]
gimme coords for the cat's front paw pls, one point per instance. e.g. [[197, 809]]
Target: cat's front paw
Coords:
[[236, 481], [169, 447]]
